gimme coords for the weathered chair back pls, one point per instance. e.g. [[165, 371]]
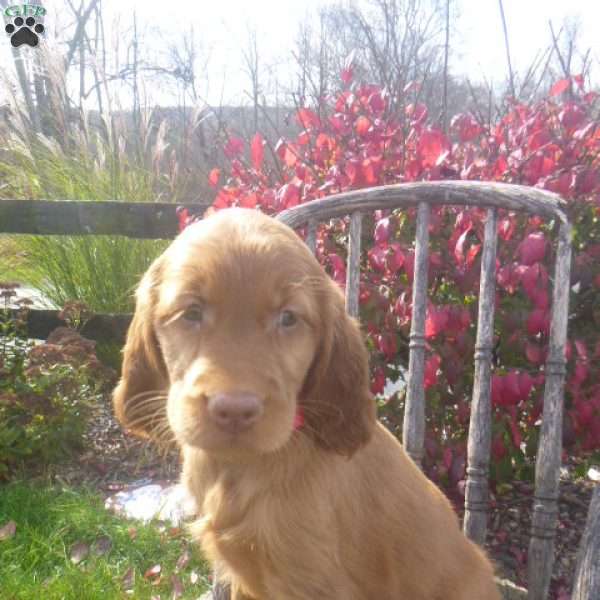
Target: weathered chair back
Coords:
[[493, 196]]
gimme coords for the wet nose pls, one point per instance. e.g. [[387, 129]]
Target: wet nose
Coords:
[[234, 412]]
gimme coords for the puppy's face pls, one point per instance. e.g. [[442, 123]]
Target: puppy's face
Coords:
[[237, 325]]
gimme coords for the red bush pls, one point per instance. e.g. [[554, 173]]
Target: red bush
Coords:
[[353, 139]]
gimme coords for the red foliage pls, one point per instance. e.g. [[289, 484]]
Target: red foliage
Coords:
[[355, 139]]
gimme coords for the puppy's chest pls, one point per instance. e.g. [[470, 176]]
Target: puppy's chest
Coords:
[[242, 524], [248, 535]]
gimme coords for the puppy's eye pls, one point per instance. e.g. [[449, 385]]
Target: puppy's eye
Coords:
[[194, 313], [287, 319]]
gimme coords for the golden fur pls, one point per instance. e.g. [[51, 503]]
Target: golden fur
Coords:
[[334, 510]]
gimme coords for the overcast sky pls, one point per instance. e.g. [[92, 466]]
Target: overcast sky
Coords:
[[477, 47]]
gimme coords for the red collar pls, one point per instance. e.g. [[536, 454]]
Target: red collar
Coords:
[[298, 418]]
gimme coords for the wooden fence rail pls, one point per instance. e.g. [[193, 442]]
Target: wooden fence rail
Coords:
[[143, 220]]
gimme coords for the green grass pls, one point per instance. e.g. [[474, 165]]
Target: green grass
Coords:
[[101, 271], [36, 561]]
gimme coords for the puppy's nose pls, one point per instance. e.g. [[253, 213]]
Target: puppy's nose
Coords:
[[234, 412]]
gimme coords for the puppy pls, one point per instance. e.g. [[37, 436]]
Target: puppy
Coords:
[[240, 345]]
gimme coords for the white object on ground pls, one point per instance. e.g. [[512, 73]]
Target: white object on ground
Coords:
[[154, 501]]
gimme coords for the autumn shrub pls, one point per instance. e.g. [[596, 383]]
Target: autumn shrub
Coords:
[[46, 389], [361, 136]]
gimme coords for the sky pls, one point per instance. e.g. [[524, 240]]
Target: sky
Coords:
[[223, 28], [478, 40]]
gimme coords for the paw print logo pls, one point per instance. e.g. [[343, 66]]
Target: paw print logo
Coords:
[[24, 31]]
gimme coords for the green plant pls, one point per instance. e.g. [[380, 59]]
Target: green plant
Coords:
[[39, 561], [102, 271], [46, 389]]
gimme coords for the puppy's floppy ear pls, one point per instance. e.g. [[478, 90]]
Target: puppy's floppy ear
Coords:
[[339, 408], [143, 375]]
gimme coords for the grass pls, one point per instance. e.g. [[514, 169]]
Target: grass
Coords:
[[36, 561], [101, 271]]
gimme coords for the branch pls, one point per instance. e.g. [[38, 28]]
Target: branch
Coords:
[[507, 47], [81, 23]]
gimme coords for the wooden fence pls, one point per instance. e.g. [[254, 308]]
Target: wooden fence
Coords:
[[140, 220]]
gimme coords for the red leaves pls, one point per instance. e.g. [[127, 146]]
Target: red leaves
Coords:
[[533, 248], [538, 139], [462, 259], [339, 269], [307, 118], [288, 196], [234, 147], [382, 230], [286, 152], [432, 366], [377, 258], [213, 177], [436, 320], [394, 259], [257, 151], [538, 322], [465, 127], [433, 144], [378, 381], [509, 276], [534, 353], [386, 344], [535, 283], [506, 227], [347, 75], [572, 116], [362, 126], [561, 86], [511, 389]]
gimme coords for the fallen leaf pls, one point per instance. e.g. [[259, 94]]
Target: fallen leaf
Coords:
[[182, 561], [79, 551], [128, 579], [102, 545], [194, 577], [177, 587], [152, 572], [7, 530]]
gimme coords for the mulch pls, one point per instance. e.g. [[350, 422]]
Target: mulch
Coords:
[[113, 460], [510, 526]]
